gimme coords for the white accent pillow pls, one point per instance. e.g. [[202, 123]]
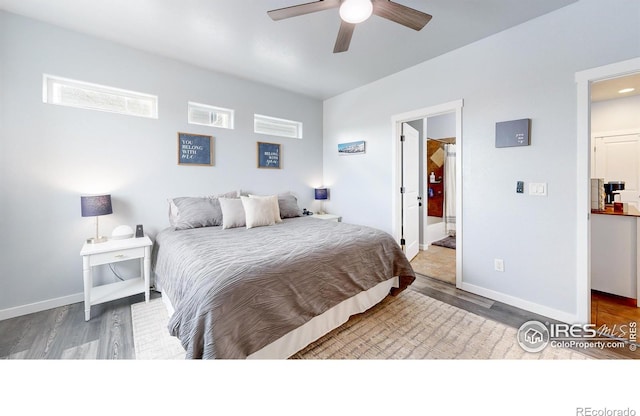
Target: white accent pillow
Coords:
[[232, 213], [258, 211], [275, 207]]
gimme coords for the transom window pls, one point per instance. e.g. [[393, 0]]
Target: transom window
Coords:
[[277, 126], [208, 115], [80, 94]]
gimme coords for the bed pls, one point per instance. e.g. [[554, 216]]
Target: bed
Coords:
[[268, 291]]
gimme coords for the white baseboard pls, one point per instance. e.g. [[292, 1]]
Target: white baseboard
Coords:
[[552, 313], [40, 306]]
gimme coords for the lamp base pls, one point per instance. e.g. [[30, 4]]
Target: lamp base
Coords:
[[97, 240]]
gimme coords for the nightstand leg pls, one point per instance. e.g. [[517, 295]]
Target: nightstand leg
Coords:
[[88, 283], [146, 267]]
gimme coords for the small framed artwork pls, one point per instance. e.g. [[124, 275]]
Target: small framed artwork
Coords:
[[269, 156], [195, 149], [352, 148]]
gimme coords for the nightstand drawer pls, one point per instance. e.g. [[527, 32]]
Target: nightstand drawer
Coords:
[[116, 256]]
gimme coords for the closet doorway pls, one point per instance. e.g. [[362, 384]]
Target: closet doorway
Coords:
[[440, 255]]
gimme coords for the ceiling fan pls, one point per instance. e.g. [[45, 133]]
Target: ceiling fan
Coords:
[[353, 12]]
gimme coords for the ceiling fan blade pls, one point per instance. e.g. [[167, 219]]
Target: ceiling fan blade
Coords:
[[344, 37], [302, 9], [398, 13]]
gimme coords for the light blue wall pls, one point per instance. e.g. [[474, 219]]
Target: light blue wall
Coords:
[[50, 155], [524, 72]]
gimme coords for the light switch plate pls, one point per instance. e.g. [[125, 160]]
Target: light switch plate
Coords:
[[538, 189]]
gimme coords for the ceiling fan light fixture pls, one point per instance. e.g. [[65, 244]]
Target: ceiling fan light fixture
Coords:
[[356, 11]]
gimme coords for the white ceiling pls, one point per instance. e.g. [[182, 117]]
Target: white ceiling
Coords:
[[237, 37]]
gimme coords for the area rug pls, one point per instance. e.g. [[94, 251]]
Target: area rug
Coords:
[[448, 242], [151, 339], [407, 326]]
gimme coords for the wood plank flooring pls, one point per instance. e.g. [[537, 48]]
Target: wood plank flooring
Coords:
[[62, 333], [614, 312]]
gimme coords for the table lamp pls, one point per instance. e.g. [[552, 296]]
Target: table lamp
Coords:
[[321, 194], [95, 206]]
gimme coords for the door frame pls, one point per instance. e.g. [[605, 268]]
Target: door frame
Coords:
[[584, 79], [396, 211]]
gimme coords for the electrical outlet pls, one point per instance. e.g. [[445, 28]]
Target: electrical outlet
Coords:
[[498, 264], [520, 187]]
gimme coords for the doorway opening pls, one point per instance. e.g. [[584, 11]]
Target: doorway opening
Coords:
[[437, 256], [594, 224], [440, 195], [615, 196]]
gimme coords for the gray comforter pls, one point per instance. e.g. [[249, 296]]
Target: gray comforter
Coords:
[[236, 290]]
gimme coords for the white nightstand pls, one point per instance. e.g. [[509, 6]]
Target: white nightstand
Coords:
[[328, 217], [114, 251]]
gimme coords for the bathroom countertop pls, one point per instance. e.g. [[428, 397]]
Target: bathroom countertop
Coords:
[[608, 210]]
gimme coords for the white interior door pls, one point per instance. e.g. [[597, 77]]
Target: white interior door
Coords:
[[617, 158], [411, 190]]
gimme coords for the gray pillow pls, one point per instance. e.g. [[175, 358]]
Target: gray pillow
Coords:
[[289, 206], [194, 212]]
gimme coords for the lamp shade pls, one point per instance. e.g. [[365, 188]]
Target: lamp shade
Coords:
[[93, 206], [322, 193]]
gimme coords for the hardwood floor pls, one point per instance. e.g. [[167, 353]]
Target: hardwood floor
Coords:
[[614, 312], [62, 333]]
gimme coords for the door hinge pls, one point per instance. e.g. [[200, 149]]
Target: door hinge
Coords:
[[402, 138], [402, 189], [402, 242]]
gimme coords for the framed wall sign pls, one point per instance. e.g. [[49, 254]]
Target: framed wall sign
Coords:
[[513, 133], [195, 149], [269, 156]]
